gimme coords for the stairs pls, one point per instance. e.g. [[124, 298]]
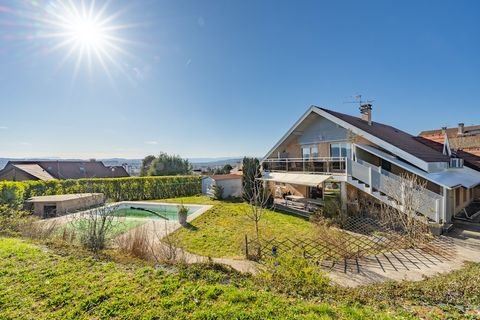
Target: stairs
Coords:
[[367, 189], [382, 185]]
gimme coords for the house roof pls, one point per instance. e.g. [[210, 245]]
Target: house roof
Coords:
[[34, 170], [471, 160], [451, 132], [220, 177], [393, 136], [64, 169]]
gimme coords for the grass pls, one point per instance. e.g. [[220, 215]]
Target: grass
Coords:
[[65, 282], [220, 232], [39, 284]]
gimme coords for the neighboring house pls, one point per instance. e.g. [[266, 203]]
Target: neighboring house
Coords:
[[325, 148], [231, 184], [61, 169], [463, 141]]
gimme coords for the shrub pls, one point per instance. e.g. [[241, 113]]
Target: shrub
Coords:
[[115, 189], [290, 274], [11, 220], [135, 243], [217, 192], [94, 227]]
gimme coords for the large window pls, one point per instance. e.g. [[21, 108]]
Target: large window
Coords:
[[341, 150]]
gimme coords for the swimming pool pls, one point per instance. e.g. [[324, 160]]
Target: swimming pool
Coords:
[[146, 210]]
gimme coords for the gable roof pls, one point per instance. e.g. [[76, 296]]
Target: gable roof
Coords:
[[387, 137], [393, 136], [34, 170], [64, 169]]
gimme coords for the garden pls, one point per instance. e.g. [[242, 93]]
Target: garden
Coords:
[[72, 270]]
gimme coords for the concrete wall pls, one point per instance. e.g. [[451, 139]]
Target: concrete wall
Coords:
[[231, 187], [207, 184], [68, 206]]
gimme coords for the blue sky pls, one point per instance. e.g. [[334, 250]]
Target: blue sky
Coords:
[[228, 78]]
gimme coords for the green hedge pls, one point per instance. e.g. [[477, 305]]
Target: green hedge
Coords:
[[115, 189]]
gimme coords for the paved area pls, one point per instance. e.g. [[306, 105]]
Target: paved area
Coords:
[[446, 254]]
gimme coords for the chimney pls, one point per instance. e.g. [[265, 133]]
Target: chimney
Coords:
[[444, 130], [461, 129], [366, 111]]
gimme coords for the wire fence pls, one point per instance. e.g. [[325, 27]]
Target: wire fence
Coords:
[[360, 237]]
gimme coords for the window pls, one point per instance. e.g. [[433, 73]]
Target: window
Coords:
[[310, 152], [306, 152], [314, 152], [341, 150]]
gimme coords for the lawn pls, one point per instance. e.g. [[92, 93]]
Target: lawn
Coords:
[[38, 284], [220, 232]]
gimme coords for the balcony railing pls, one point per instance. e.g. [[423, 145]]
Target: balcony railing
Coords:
[[328, 165]]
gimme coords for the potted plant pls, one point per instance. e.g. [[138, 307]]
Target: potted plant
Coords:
[[182, 214]]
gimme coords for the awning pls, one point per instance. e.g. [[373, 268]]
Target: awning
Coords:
[[311, 180]]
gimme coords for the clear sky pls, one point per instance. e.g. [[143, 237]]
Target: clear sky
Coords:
[[228, 78]]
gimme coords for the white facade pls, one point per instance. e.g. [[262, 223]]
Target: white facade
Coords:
[[232, 186]]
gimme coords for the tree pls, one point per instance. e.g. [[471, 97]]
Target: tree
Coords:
[[258, 197], [250, 181], [227, 168], [169, 165], [409, 197], [146, 164]]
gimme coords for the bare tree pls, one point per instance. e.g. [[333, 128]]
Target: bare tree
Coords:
[[95, 225], [259, 199], [409, 197]]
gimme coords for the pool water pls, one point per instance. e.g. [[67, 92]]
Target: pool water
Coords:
[[153, 211]]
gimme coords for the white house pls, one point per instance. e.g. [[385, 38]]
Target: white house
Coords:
[[231, 184], [362, 156]]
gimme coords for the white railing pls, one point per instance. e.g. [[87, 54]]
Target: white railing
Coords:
[[390, 184], [320, 165]]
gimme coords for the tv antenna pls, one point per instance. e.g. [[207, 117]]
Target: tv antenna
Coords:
[[363, 105], [359, 101]]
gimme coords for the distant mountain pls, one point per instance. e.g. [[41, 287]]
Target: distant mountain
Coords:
[[196, 162], [107, 162]]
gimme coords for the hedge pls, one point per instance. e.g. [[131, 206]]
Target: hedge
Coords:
[[115, 189]]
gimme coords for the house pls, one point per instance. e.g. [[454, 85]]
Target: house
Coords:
[[59, 169], [231, 184], [463, 140], [326, 149]]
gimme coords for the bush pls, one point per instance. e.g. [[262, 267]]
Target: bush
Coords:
[[294, 275], [95, 225], [11, 220], [217, 192], [115, 189]]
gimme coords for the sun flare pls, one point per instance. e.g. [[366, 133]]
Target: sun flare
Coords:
[[86, 33]]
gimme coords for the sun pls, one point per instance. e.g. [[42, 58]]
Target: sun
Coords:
[[86, 33]]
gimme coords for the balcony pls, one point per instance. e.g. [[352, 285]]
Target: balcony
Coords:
[[324, 165]]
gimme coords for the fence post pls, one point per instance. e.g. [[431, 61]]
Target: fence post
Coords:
[[246, 247]]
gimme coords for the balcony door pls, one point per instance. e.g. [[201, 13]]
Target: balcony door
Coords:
[[340, 150]]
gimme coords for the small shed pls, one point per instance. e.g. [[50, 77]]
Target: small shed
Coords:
[[231, 184], [57, 205]]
